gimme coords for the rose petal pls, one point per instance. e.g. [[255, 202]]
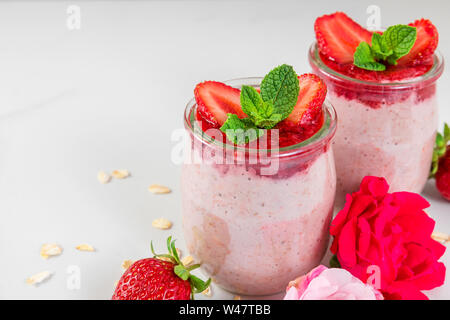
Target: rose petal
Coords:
[[364, 236], [347, 244], [339, 221], [401, 290], [291, 294], [375, 186], [408, 201]]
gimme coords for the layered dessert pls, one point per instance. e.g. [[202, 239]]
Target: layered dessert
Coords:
[[257, 216], [383, 86]]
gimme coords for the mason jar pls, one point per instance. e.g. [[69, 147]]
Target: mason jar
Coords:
[[384, 129], [257, 218]]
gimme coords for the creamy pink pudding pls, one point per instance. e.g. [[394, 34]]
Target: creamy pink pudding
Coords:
[[255, 232], [384, 129]]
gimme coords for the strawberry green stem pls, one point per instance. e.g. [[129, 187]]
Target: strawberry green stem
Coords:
[[197, 284]]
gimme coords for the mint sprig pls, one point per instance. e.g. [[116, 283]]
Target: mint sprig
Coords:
[[182, 271], [279, 93], [440, 147], [396, 42], [240, 131]]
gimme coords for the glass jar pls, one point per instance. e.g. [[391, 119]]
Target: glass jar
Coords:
[[385, 129], [257, 218]]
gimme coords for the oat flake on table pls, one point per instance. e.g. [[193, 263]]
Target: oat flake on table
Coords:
[[85, 247], [126, 264], [207, 292], [159, 189], [50, 249], [162, 224], [120, 174], [38, 277], [103, 177], [441, 237]]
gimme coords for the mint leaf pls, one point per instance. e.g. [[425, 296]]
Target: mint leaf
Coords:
[[240, 131], [252, 103], [399, 39], [379, 50], [259, 111], [279, 94], [364, 59], [393, 44], [270, 122], [280, 86]]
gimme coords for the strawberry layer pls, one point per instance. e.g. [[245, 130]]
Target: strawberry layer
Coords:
[[289, 134], [377, 97]]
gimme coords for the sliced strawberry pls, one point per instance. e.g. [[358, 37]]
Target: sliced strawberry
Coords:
[[310, 99], [338, 36], [215, 100], [425, 45]]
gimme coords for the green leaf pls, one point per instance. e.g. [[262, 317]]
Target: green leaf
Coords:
[[440, 149], [258, 111], [440, 141], [399, 39], [281, 87], [334, 262], [251, 102], [193, 267], [169, 247], [379, 50], [364, 59], [198, 284], [181, 272], [169, 255], [240, 131], [446, 132], [268, 123], [394, 43], [174, 252], [152, 249]]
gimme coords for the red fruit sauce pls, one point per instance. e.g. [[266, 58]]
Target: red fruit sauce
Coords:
[[377, 97], [289, 134]]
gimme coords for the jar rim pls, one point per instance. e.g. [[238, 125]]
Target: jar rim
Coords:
[[429, 77], [317, 141]]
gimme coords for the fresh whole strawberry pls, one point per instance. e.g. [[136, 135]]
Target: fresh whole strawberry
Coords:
[[440, 169], [443, 175], [157, 279]]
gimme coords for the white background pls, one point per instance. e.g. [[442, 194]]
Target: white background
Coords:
[[108, 96]]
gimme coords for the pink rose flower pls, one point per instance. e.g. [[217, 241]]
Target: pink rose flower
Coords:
[[392, 233], [322, 283]]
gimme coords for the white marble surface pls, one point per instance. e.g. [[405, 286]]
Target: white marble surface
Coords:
[[108, 96]]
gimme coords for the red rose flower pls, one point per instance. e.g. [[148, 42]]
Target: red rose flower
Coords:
[[391, 233]]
